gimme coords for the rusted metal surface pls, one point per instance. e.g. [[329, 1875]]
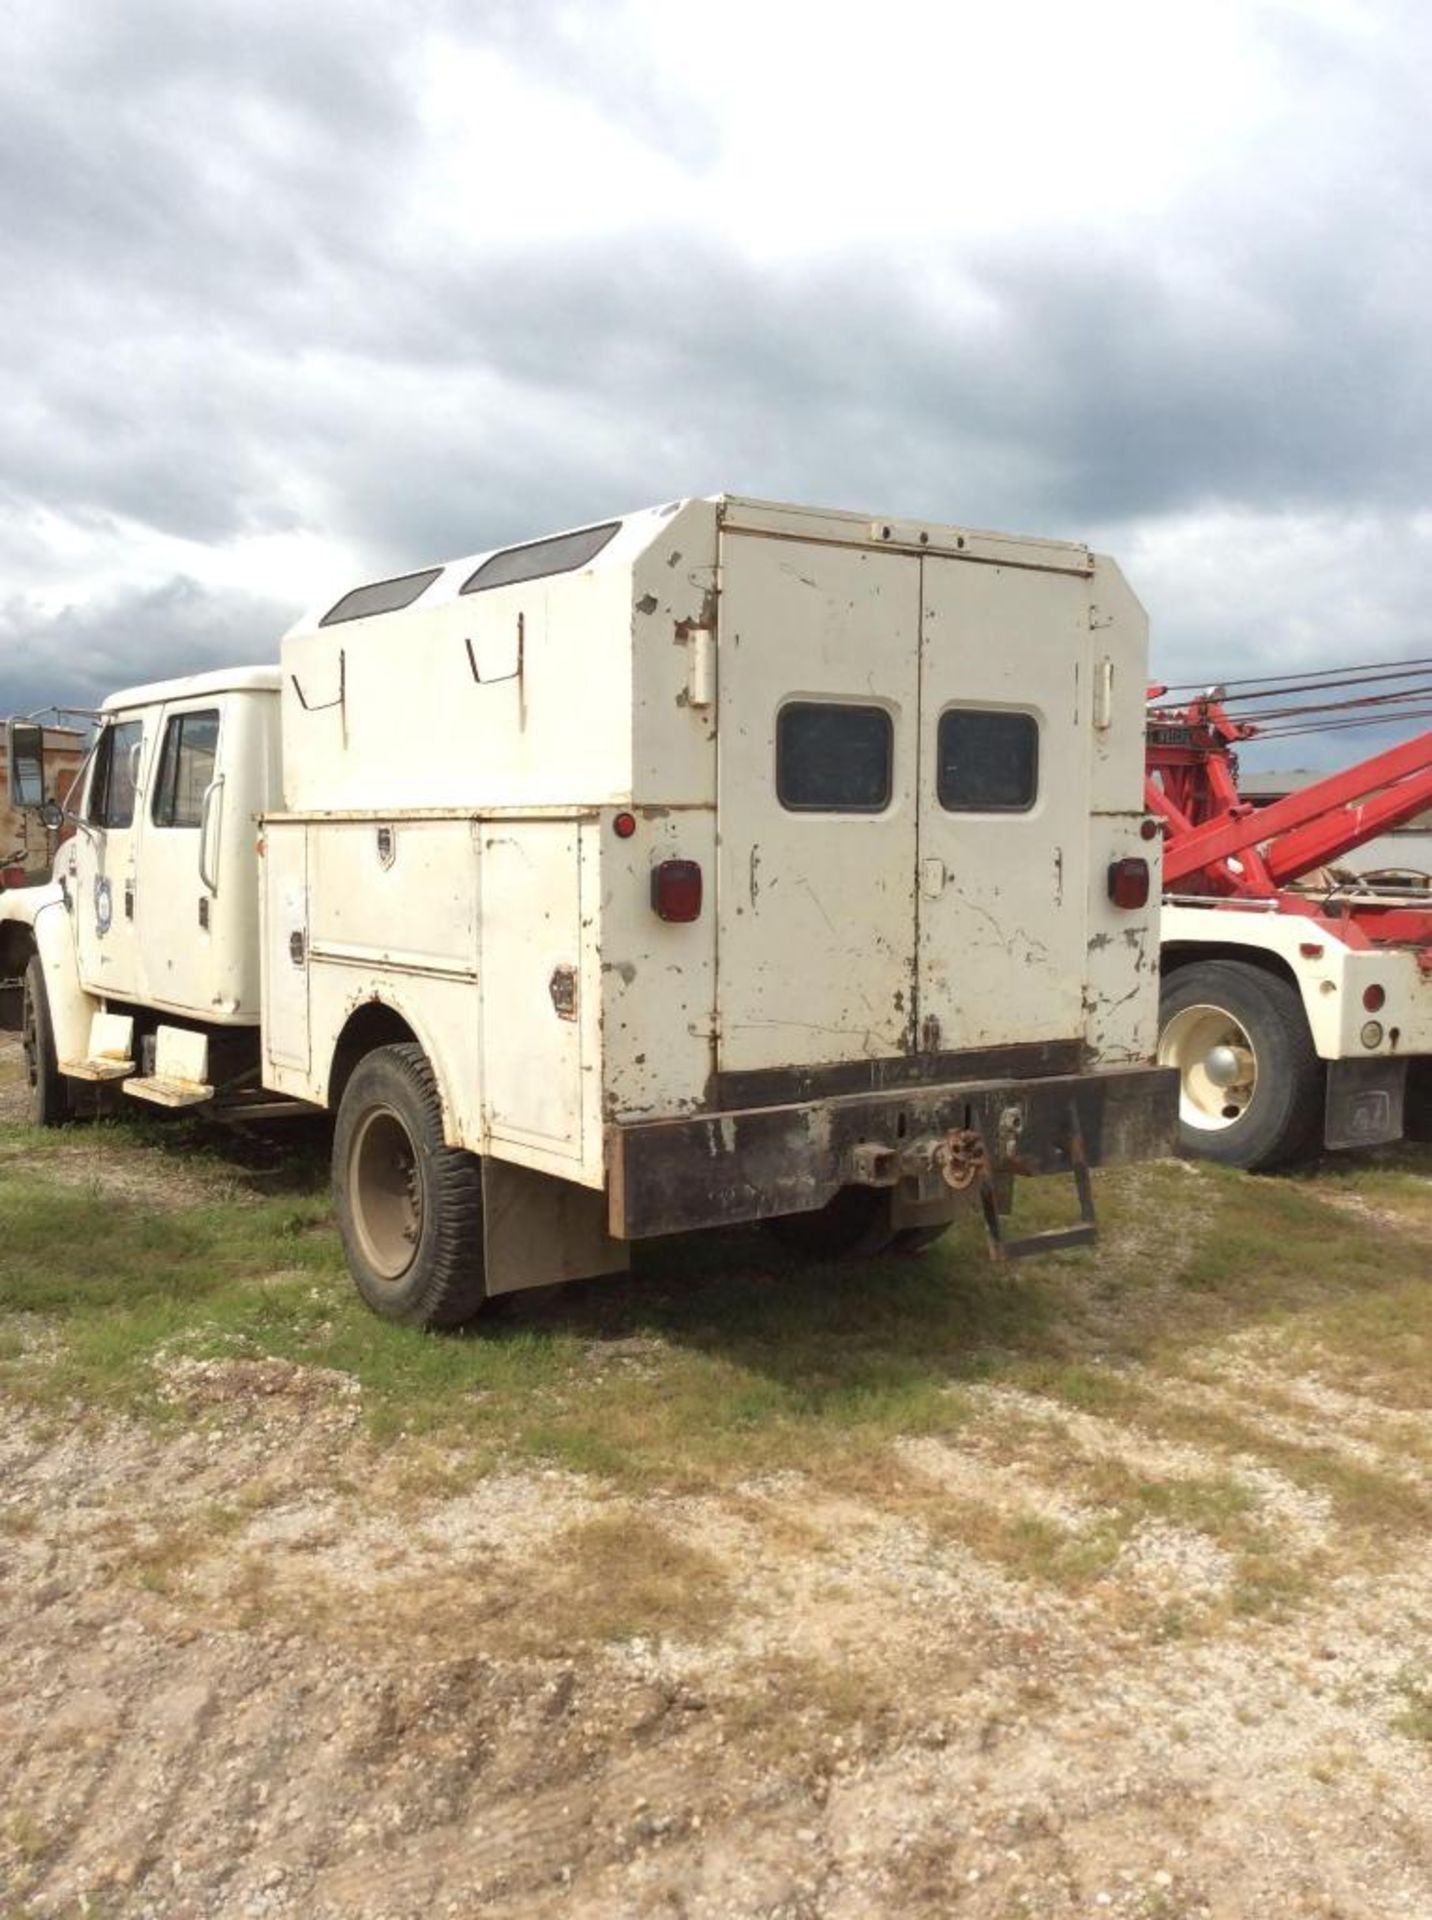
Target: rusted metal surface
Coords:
[[562, 989], [782, 1086], [26, 847], [1052, 1239], [962, 1159], [715, 1170]]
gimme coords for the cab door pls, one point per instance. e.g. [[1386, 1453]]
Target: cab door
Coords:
[[104, 854], [1004, 804], [818, 694], [178, 863]]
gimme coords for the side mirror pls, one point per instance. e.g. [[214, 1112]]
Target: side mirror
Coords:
[[25, 764], [52, 815]]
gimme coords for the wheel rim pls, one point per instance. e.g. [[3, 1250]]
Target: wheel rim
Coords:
[[1217, 1067], [385, 1192]]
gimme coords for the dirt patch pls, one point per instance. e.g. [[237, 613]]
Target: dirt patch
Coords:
[[247, 1383], [243, 1676]]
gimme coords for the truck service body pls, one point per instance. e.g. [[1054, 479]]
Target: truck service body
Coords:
[[722, 862]]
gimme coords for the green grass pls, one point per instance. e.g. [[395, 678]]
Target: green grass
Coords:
[[744, 1364], [1415, 1718]]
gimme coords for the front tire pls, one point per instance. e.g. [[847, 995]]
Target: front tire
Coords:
[[1251, 1088], [409, 1207], [50, 1104]]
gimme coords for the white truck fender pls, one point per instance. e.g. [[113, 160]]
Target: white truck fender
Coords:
[[71, 1008]]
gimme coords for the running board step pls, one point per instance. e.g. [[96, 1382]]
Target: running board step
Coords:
[[169, 1093], [181, 1070], [96, 1069], [111, 1049]]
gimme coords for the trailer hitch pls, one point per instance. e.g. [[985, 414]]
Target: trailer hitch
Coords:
[[961, 1160]]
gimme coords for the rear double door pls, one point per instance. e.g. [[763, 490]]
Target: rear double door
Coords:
[[902, 805]]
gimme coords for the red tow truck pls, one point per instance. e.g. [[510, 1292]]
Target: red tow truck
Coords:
[[1297, 997]]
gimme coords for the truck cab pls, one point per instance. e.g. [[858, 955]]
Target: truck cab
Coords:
[[152, 910], [163, 870]]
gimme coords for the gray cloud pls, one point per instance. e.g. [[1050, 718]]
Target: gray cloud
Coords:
[[77, 656], [225, 315]]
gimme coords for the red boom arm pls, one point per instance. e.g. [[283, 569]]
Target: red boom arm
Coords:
[[1310, 828]]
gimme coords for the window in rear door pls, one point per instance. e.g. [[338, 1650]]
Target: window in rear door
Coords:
[[988, 760], [833, 757]]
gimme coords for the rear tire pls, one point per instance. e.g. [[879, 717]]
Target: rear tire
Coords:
[[50, 1104], [854, 1225], [409, 1207], [1251, 1086], [915, 1240], [1418, 1112]]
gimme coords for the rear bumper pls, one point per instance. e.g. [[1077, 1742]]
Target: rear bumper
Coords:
[[718, 1169]]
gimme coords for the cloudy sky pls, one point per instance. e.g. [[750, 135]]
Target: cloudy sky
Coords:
[[294, 296]]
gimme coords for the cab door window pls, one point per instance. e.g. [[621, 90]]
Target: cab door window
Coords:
[[186, 768], [116, 769]]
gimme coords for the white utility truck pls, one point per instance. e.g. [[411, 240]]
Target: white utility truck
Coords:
[[722, 862]]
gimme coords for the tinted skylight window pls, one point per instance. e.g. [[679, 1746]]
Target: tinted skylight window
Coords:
[[383, 596], [561, 554]]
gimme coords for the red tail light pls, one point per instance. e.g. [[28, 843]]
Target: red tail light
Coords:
[[1129, 883], [676, 890]]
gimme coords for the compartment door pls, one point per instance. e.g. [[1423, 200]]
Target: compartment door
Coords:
[[285, 945], [816, 802], [1004, 804], [533, 992]]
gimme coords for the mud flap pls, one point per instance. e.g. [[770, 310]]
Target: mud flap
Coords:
[[538, 1230], [1365, 1102]]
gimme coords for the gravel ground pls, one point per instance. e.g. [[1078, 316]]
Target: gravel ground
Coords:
[[317, 1710], [251, 1669]]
